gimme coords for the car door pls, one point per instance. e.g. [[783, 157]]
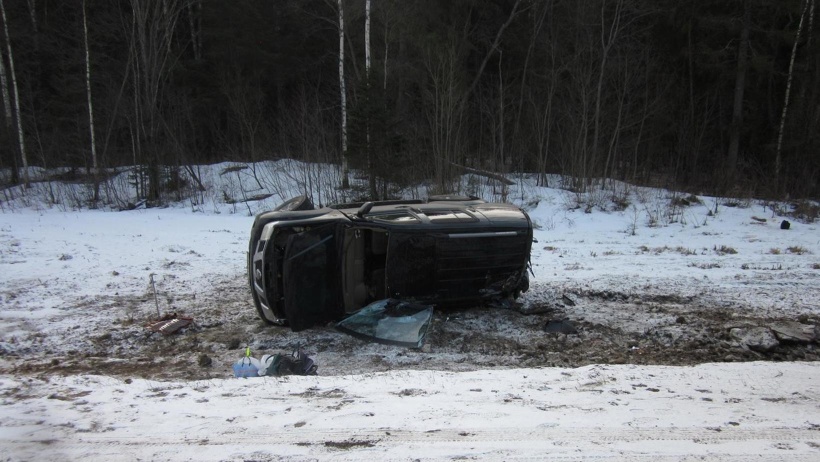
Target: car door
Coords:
[[411, 263], [311, 277]]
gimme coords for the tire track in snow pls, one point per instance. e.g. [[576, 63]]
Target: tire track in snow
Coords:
[[504, 443]]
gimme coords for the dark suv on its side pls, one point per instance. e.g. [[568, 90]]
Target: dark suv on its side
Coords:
[[308, 266]]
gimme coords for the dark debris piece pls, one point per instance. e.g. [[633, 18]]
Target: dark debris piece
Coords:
[[562, 326], [169, 324]]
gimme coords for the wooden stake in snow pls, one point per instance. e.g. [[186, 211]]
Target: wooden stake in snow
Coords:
[[156, 300]]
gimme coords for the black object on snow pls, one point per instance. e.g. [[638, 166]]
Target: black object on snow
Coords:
[[560, 327], [297, 364]]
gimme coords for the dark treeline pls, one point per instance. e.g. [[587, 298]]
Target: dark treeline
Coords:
[[718, 96]]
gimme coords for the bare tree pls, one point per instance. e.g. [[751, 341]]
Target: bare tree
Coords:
[[740, 86], [343, 96], [7, 116], [20, 134], [778, 154], [5, 93], [368, 101], [449, 97], [608, 37], [444, 108], [153, 26], [94, 162], [195, 24], [32, 11], [246, 100]]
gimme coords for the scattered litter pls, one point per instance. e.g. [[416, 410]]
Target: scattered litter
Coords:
[[296, 364], [567, 300], [205, 360], [169, 324], [274, 365], [247, 366]]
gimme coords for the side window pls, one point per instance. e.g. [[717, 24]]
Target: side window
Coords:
[[450, 216], [398, 217]]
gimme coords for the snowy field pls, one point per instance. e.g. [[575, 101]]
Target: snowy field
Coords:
[[80, 377]]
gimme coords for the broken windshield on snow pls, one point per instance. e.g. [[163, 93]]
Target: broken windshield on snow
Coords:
[[391, 322]]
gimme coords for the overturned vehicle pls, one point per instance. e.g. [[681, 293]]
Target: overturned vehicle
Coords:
[[310, 266]]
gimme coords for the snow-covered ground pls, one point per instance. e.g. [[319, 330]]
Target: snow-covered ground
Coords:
[[75, 287], [739, 412]]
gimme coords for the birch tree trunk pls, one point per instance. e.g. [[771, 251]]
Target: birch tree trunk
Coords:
[[367, 38], [368, 102], [7, 117], [343, 96], [32, 10], [94, 163], [5, 93], [778, 159], [737, 108], [20, 134], [195, 24]]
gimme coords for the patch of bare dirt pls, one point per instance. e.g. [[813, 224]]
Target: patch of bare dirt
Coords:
[[564, 330]]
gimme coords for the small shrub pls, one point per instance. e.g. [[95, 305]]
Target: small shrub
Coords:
[[725, 250], [816, 266], [806, 211], [680, 202], [796, 249], [774, 251], [693, 199], [620, 202], [705, 265], [738, 203], [684, 251], [777, 267]]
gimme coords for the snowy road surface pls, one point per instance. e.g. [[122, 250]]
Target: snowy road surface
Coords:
[[740, 412]]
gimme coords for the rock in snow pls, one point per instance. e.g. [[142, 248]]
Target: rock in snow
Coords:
[[792, 331], [760, 339]]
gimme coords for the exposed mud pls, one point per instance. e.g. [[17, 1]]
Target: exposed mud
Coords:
[[595, 328]]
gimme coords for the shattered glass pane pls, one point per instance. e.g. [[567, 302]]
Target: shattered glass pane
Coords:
[[391, 322]]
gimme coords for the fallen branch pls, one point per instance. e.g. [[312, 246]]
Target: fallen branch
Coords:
[[484, 173]]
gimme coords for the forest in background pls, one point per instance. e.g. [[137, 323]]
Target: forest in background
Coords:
[[709, 96]]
